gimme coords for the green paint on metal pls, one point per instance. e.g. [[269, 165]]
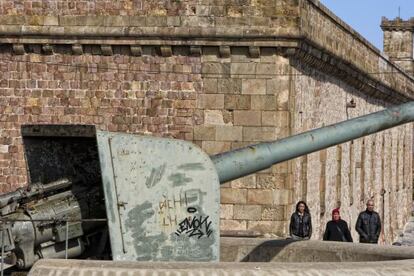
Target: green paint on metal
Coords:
[[179, 179], [192, 167], [146, 246], [109, 199], [155, 176]]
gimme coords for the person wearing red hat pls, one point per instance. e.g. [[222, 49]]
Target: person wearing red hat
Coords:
[[337, 229]]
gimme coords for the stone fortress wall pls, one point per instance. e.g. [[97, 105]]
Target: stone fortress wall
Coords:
[[223, 74]]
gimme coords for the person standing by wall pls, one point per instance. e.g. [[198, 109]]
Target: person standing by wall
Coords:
[[300, 227], [337, 229], [368, 224]]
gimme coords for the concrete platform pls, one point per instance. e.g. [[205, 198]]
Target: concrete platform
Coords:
[[253, 256], [101, 268], [266, 250]]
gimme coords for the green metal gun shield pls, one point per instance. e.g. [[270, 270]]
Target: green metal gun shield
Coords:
[[162, 198]]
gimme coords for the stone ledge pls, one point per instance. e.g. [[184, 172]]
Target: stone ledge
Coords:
[[330, 64], [238, 32]]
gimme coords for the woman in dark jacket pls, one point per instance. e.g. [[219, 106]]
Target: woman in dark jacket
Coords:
[[300, 227], [337, 229]]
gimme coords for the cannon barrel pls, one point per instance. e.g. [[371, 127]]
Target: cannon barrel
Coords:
[[241, 162]]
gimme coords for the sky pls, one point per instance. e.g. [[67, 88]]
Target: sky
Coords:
[[365, 15]]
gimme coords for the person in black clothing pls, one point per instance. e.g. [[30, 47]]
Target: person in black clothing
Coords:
[[368, 224], [337, 229], [300, 227]]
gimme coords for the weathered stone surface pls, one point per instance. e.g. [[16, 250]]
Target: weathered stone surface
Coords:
[[211, 101], [237, 102], [204, 133], [226, 211], [248, 182], [230, 85], [4, 148], [259, 196], [216, 117], [276, 118], [229, 133], [247, 212], [210, 85], [256, 134], [274, 227], [263, 102], [271, 181], [243, 69], [214, 147], [275, 213], [235, 225], [282, 197], [233, 196], [247, 118], [254, 86]]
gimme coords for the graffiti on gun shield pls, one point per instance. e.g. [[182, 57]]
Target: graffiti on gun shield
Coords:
[[194, 226]]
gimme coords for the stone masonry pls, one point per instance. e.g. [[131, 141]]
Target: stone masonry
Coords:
[[223, 74]]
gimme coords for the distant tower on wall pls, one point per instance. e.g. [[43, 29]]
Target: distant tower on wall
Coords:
[[398, 42]]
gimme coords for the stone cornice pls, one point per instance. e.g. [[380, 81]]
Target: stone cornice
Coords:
[[318, 58]]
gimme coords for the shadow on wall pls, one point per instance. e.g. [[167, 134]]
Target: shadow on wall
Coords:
[[262, 250]]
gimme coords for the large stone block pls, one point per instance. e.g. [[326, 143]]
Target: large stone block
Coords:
[[254, 86], [214, 147], [215, 68], [277, 85], [248, 182], [229, 133], [247, 212], [211, 101], [263, 102], [259, 134], [216, 117], [261, 197], [275, 227], [226, 211], [234, 225], [247, 118], [274, 213], [271, 181], [210, 85], [268, 70], [282, 100], [229, 85], [276, 118], [204, 133], [282, 196], [243, 69], [233, 196], [238, 102]]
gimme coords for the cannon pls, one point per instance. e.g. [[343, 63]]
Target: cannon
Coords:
[[154, 199]]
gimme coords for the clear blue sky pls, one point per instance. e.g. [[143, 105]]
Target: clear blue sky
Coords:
[[365, 15]]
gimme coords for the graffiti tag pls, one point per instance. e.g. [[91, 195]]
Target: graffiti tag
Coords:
[[196, 226]]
